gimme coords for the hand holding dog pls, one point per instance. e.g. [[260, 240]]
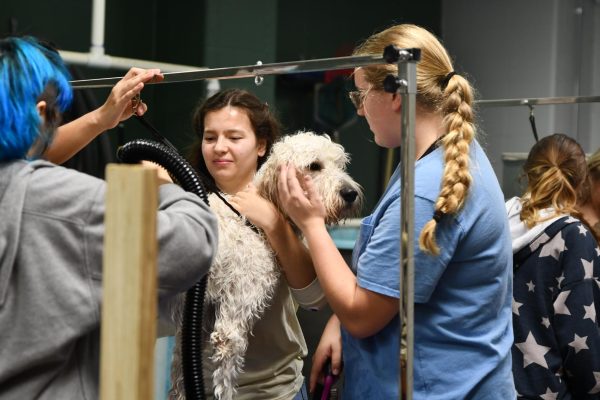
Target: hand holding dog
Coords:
[[301, 201], [256, 209]]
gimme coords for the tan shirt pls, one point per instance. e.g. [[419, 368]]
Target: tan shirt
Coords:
[[273, 362]]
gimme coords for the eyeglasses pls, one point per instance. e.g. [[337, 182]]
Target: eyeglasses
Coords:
[[357, 97]]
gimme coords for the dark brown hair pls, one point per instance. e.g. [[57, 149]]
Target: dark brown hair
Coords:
[[265, 125]]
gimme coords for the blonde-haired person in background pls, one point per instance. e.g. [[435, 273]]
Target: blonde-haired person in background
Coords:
[[556, 269], [463, 262], [589, 204]]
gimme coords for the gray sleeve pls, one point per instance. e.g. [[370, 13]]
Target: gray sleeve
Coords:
[[187, 239], [186, 233]]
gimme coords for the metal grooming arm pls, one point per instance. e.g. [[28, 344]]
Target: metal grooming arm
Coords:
[[247, 71]]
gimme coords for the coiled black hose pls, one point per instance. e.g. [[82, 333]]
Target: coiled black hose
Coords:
[[191, 333]]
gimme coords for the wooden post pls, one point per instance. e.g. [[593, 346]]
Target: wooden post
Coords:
[[129, 301]]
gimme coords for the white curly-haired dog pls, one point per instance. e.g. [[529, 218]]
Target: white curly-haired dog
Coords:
[[240, 295]]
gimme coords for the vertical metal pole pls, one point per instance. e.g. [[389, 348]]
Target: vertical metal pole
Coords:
[[407, 78]]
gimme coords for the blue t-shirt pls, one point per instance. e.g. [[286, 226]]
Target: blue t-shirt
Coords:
[[463, 331]]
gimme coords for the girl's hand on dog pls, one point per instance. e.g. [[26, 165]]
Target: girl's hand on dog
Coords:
[[258, 210], [300, 199]]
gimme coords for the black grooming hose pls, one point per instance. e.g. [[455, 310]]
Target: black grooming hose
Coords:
[[191, 333]]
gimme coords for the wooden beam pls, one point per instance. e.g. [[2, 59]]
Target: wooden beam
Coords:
[[128, 330]]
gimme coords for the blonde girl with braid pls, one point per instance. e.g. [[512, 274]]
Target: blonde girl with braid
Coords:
[[556, 353], [463, 259]]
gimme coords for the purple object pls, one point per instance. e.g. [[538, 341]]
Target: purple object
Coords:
[[327, 384], [329, 380]]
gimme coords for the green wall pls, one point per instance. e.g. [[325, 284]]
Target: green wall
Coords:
[[223, 33], [322, 29]]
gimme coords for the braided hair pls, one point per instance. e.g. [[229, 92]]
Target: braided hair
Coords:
[[439, 89]]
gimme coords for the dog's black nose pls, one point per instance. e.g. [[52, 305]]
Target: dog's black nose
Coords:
[[348, 194]]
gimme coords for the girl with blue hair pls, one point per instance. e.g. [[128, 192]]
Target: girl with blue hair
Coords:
[[51, 79], [34, 84], [52, 230]]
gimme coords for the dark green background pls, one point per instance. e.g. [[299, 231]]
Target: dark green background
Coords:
[[222, 33]]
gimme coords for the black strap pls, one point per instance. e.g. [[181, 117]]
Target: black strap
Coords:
[[157, 135], [430, 149], [232, 208], [532, 122]]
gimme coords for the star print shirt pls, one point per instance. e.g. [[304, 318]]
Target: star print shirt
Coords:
[[556, 354]]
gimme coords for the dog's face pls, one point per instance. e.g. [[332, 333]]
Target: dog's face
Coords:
[[322, 159]]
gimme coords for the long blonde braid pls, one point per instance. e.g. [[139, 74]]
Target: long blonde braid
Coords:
[[439, 89], [456, 181]]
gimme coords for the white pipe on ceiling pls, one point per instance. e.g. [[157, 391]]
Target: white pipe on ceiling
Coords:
[[101, 60]]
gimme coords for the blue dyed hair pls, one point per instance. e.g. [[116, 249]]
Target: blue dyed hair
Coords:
[[29, 72]]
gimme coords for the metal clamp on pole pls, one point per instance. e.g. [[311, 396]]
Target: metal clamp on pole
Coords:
[[393, 54], [259, 79], [406, 85]]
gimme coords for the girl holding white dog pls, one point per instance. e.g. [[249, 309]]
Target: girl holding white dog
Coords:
[[235, 135], [235, 132]]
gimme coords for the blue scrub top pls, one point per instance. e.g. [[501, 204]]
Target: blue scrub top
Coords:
[[463, 331]]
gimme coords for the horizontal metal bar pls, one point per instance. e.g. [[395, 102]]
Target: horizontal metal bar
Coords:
[[538, 100], [247, 71]]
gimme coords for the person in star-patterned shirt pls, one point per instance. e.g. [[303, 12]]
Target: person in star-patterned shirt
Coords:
[[556, 291]]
